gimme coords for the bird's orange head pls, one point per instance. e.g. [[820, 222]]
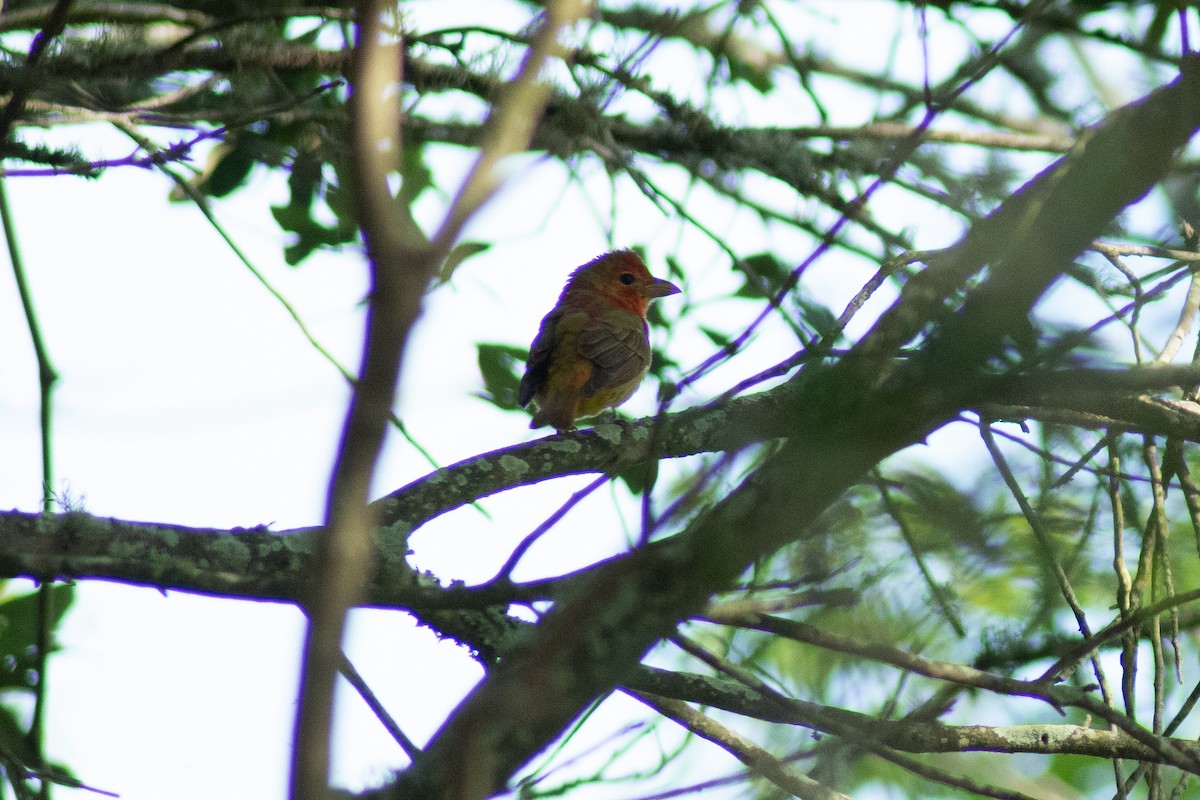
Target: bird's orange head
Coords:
[[618, 279]]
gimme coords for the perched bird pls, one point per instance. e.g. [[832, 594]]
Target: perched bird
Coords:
[[593, 348]]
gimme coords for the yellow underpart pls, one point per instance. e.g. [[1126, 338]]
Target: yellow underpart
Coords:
[[561, 400]]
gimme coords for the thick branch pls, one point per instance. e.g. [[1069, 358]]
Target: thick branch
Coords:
[[344, 545], [261, 564], [846, 418]]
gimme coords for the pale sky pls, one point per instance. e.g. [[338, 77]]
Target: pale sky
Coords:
[[188, 396]]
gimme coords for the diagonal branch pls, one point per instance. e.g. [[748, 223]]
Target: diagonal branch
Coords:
[[746, 751], [845, 417], [401, 268]]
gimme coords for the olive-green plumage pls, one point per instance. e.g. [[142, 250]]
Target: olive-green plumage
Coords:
[[593, 348]]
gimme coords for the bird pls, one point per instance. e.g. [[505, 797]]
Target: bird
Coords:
[[593, 348]]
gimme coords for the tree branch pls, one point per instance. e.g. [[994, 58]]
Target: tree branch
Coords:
[[258, 563], [344, 546], [909, 736], [754, 757], [845, 418]]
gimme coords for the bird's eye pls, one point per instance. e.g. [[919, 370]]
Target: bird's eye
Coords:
[[627, 278]]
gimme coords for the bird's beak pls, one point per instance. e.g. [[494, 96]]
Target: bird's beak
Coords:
[[659, 288]]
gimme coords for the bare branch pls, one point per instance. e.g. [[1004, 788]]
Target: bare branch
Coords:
[[750, 754], [344, 546]]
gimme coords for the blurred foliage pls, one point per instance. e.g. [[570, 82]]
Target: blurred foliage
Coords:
[[836, 157], [20, 679], [498, 365]]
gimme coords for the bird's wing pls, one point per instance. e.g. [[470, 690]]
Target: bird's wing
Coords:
[[616, 343], [537, 366]]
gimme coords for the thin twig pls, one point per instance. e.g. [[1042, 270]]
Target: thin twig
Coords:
[[1124, 579], [960, 674], [895, 131], [504, 575], [744, 750], [1116, 249], [1033, 519], [159, 160], [1035, 525], [1067, 662], [47, 378], [356, 680], [935, 589], [1187, 318]]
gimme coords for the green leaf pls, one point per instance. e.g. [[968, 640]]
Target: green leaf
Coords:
[[656, 318], [498, 366], [306, 183], [818, 316], [675, 269], [640, 476], [12, 738], [340, 200], [661, 363], [416, 176], [304, 180], [765, 276], [19, 627], [415, 179], [717, 338], [461, 252], [231, 169], [755, 76], [15, 744], [19, 634]]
